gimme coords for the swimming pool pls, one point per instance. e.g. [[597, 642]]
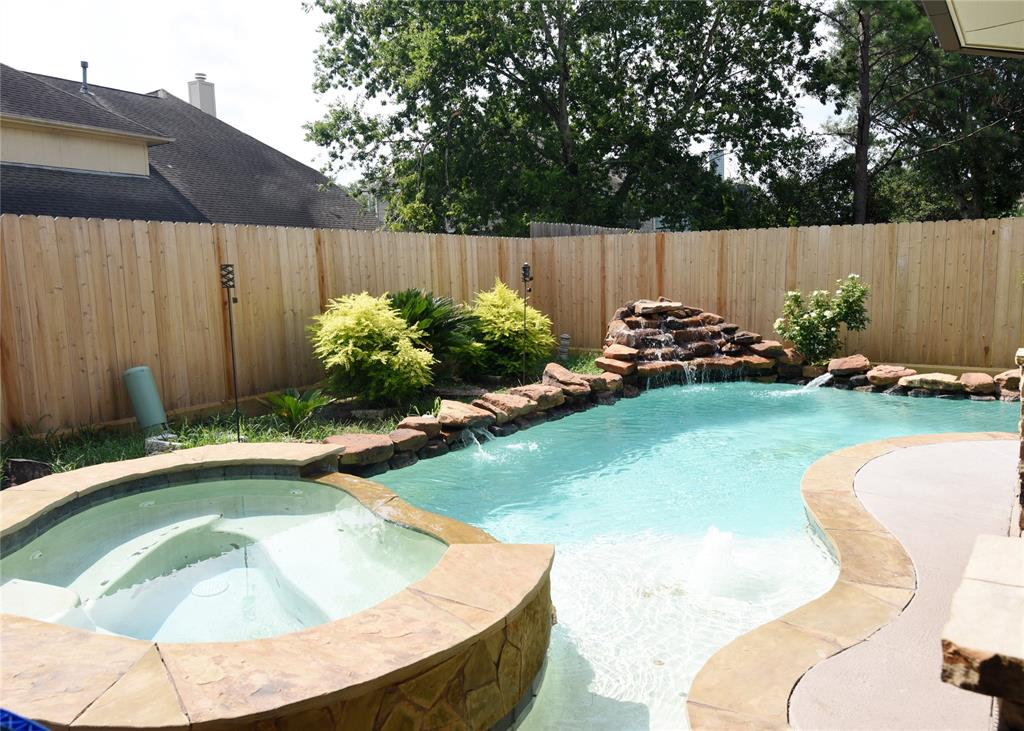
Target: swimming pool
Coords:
[[678, 523]]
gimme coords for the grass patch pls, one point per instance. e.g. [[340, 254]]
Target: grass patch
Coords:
[[84, 447], [582, 361]]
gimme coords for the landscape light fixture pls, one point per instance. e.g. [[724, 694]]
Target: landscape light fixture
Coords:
[[527, 278], [227, 281]]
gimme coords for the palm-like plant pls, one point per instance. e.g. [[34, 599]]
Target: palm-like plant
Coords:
[[447, 326], [294, 408]]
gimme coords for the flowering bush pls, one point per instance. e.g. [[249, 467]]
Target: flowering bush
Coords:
[[812, 323]]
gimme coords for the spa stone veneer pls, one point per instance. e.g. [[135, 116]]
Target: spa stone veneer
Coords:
[[461, 648]]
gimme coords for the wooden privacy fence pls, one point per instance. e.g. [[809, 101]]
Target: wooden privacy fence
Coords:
[[84, 299]]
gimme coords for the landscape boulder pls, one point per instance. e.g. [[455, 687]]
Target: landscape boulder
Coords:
[[18, 471], [813, 371], [710, 318], [980, 384], [1009, 380], [650, 307], [620, 352], [755, 362], [407, 440], [768, 349], [457, 415], [620, 367], [402, 459], [849, 366], [560, 376], [433, 448], [716, 363], [888, 375], [428, 424], [505, 406], [603, 382], [652, 368], [363, 449], [932, 382], [546, 397], [700, 349], [745, 337], [790, 357]]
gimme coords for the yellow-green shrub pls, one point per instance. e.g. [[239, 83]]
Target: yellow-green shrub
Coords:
[[499, 331], [370, 351]]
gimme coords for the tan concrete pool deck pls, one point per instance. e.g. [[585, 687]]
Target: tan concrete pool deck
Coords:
[[945, 489], [935, 499]]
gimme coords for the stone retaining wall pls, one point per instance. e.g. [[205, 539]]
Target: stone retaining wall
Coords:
[[458, 424]]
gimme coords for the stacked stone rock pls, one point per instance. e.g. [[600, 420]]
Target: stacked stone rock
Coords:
[[856, 372], [457, 423], [649, 341]]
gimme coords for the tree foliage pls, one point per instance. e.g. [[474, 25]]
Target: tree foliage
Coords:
[[483, 114], [933, 134]]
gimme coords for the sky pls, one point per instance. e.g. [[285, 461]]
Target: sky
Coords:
[[259, 54]]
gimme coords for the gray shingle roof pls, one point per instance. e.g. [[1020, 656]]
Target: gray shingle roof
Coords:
[[221, 174], [24, 95], [50, 192]]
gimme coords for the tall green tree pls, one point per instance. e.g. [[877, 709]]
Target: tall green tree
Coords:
[[916, 116], [480, 115]]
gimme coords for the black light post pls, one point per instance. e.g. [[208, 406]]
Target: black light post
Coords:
[[527, 278], [227, 281]]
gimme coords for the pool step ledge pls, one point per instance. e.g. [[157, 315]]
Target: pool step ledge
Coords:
[[747, 683]]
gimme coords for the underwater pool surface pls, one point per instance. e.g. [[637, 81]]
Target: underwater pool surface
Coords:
[[678, 525], [215, 561]]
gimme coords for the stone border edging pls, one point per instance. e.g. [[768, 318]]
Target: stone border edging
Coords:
[[468, 638], [747, 683]]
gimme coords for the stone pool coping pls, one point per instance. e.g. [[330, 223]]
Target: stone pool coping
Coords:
[[747, 683], [480, 597]]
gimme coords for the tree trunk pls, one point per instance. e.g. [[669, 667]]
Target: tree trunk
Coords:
[[562, 122], [862, 143]]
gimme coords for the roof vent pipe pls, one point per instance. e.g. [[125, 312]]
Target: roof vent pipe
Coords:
[[85, 77], [200, 94]]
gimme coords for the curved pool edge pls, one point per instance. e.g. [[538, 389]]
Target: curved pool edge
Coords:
[[465, 644], [748, 683]]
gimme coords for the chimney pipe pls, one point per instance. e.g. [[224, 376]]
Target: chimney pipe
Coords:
[[85, 77], [200, 95]]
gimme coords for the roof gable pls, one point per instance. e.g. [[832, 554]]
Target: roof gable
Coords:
[[219, 172]]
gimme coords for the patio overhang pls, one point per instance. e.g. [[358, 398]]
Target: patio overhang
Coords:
[[979, 27]]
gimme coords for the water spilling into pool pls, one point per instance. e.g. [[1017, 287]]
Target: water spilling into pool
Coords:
[[215, 561], [678, 524]]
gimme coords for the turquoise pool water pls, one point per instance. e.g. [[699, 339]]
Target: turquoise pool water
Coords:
[[678, 524]]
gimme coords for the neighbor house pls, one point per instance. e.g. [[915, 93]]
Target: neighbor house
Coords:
[[71, 148]]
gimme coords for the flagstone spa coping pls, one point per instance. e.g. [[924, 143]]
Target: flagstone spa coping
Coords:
[[463, 646], [749, 682]]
